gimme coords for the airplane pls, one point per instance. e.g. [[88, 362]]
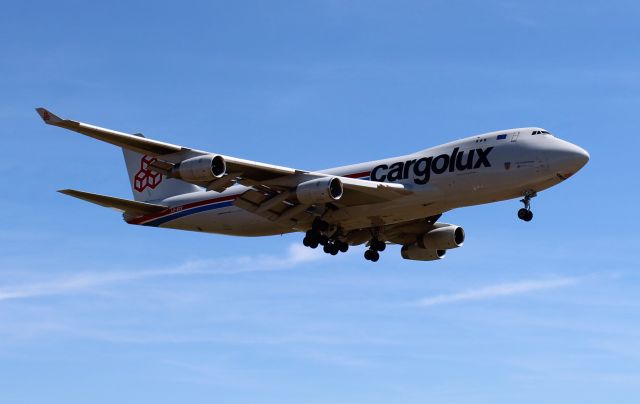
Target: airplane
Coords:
[[397, 200]]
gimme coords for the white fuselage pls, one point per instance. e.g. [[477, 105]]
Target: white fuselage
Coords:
[[480, 169]]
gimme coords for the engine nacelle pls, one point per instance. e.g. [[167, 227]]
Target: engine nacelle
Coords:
[[416, 253], [442, 238], [321, 190], [201, 169]]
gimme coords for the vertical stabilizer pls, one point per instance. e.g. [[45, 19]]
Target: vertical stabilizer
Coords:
[[148, 185]]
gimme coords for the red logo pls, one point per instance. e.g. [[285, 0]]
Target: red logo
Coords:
[[46, 116], [146, 177]]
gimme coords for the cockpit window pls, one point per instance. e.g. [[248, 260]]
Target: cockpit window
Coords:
[[540, 132]]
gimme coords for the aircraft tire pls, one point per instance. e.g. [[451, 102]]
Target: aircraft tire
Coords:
[[375, 256], [523, 214], [371, 255], [529, 216]]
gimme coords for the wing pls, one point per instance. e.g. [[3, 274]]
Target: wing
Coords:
[[272, 189], [168, 154]]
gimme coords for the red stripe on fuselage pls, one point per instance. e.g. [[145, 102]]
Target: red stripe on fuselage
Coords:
[[176, 209], [358, 175]]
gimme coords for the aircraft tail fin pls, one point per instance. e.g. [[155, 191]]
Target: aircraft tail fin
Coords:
[[147, 181]]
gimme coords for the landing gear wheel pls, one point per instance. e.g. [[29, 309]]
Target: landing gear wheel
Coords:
[[375, 256], [525, 215], [311, 239], [330, 248], [522, 214], [371, 255], [343, 247], [367, 255]]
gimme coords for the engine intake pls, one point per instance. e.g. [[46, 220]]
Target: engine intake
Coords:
[[416, 253], [321, 190], [201, 169], [442, 238]]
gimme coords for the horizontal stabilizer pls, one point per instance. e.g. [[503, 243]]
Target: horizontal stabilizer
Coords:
[[132, 142], [127, 206]]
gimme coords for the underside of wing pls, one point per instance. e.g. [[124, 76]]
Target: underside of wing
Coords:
[[298, 199]]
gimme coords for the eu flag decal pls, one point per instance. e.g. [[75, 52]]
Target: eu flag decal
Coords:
[[501, 137]]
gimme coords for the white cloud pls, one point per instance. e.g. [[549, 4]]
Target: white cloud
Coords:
[[83, 282], [494, 291], [296, 254]]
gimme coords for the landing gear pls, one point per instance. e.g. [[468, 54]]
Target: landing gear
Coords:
[[315, 237], [330, 248], [311, 239], [319, 225], [375, 245], [378, 245], [525, 213], [333, 246], [371, 255]]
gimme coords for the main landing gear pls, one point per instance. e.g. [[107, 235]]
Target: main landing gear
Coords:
[[315, 237], [372, 253], [525, 213]]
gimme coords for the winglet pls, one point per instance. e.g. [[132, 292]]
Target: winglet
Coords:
[[48, 117]]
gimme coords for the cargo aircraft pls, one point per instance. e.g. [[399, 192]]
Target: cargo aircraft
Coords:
[[397, 200]]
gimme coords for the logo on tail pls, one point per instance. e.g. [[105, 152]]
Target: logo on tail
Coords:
[[146, 177]]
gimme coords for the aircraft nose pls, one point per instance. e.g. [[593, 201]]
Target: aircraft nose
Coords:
[[567, 159]]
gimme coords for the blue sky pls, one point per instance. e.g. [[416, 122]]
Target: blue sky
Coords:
[[93, 310]]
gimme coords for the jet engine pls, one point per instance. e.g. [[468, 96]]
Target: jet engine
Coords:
[[442, 238], [321, 190], [416, 253], [201, 169]]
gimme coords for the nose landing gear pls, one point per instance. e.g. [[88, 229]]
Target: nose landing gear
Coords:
[[525, 213]]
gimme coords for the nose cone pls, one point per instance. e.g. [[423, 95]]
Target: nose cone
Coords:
[[566, 159]]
